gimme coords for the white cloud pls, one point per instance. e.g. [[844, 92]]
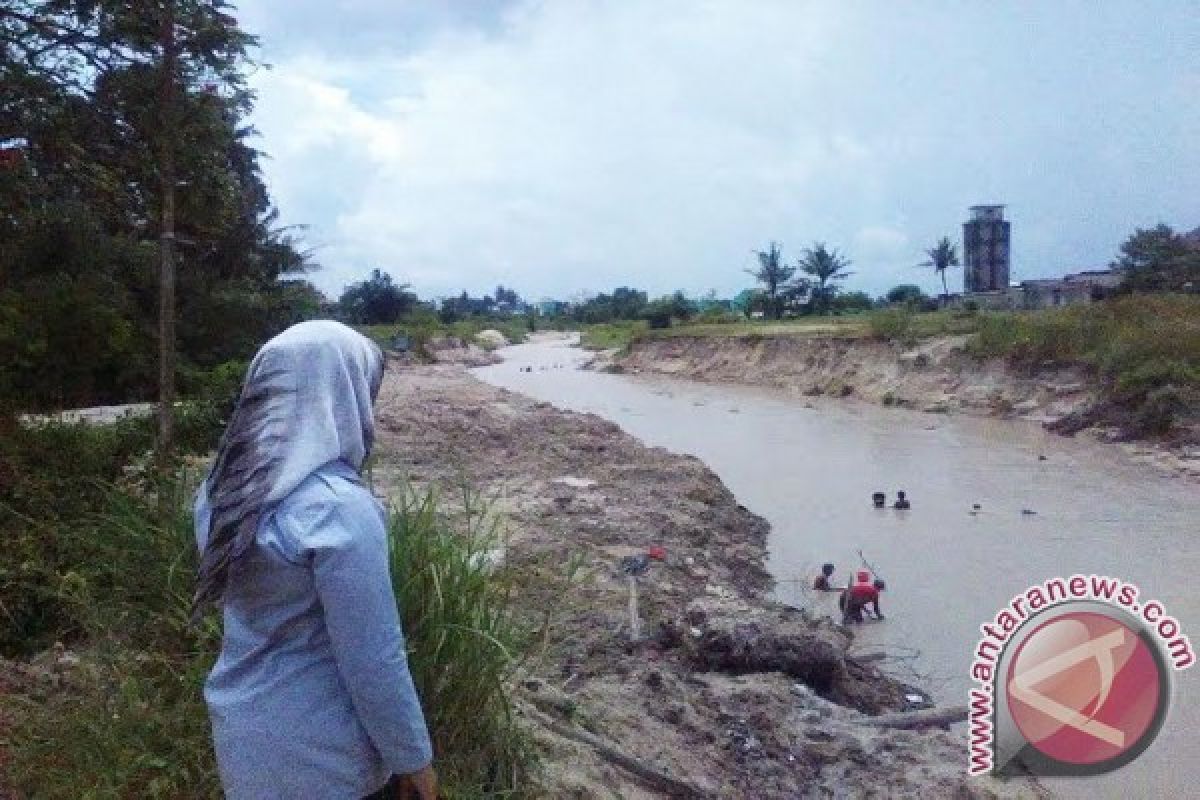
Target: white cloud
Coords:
[[577, 144]]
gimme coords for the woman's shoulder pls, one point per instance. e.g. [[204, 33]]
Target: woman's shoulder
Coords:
[[333, 486], [330, 508]]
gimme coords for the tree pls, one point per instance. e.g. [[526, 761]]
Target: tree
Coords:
[[628, 303], [623, 303], [747, 301], [942, 256], [828, 267], [906, 294], [149, 72], [376, 301], [1158, 259], [774, 275], [852, 301]]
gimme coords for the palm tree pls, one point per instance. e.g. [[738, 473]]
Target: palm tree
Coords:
[[774, 275], [828, 267], [941, 256]]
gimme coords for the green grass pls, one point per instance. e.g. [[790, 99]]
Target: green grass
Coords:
[[464, 639], [610, 335], [129, 721]]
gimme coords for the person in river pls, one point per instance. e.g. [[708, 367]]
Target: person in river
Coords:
[[824, 581], [311, 695], [901, 501], [861, 597]]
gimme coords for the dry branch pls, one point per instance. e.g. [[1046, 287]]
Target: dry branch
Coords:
[[912, 720]]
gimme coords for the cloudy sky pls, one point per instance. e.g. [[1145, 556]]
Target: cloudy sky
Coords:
[[566, 145]]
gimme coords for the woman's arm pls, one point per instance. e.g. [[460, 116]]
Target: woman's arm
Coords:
[[350, 564]]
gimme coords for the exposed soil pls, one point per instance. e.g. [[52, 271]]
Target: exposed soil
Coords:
[[937, 375], [728, 694]]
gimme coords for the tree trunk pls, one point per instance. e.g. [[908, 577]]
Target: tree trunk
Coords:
[[945, 289], [166, 244]]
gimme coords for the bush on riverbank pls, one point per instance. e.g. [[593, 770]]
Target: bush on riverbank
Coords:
[[610, 335]]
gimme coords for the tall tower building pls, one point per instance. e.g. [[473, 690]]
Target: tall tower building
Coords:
[[986, 248]]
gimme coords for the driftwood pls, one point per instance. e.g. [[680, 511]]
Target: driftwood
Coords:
[[911, 720], [655, 778]]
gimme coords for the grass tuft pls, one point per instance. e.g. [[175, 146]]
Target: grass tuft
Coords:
[[463, 639]]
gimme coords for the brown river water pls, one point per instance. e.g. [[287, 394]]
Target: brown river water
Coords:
[[809, 467]]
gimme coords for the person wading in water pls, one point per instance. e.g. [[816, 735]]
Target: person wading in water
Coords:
[[824, 581], [861, 597], [311, 696]]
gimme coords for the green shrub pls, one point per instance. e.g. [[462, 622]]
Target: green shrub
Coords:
[[608, 335], [658, 320], [1157, 373], [891, 324], [1157, 414]]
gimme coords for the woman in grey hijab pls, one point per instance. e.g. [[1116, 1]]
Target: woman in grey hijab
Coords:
[[311, 696]]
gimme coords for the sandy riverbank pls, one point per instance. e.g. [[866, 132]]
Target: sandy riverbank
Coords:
[[730, 696], [935, 375]]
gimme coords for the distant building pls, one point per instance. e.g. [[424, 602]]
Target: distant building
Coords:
[[986, 239], [1078, 287], [986, 246]]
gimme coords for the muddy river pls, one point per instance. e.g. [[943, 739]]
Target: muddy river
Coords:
[[1048, 506]]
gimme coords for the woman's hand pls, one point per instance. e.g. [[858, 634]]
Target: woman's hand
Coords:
[[419, 785]]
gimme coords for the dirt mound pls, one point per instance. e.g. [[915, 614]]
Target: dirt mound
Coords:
[[491, 339], [453, 350]]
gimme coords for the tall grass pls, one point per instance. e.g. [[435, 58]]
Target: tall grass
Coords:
[[1145, 348], [464, 641]]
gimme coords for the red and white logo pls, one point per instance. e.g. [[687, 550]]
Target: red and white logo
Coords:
[[1084, 688]]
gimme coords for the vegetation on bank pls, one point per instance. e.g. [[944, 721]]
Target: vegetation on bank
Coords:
[[611, 335], [88, 563], [1143, 349]]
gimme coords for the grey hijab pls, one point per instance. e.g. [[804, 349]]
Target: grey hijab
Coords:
[[306, 402]]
